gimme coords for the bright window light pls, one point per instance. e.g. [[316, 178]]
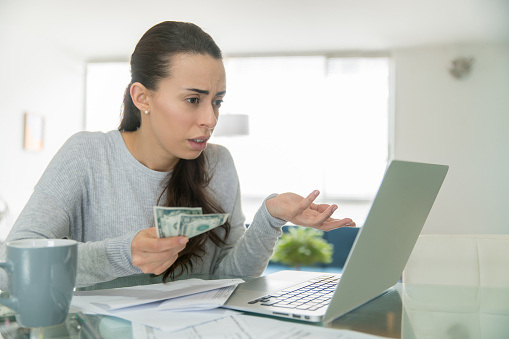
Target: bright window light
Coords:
[[105, 85], [315, 123]]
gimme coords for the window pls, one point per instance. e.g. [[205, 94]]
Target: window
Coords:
[[315, 122], [105, 85]]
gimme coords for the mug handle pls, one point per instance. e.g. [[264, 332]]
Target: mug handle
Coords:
[[10, 301]]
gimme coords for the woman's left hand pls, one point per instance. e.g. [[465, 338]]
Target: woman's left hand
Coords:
[[303, 212]]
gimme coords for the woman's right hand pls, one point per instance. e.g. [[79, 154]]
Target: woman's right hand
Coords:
[[154, 255]]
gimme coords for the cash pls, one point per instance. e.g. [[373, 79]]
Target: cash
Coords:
[[189, 222], [167, 219]]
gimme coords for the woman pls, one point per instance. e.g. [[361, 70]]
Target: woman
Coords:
[[100, 187]]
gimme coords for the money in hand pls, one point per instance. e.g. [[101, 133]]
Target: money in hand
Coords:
[[189, 222], [192, 225], [167, 219]]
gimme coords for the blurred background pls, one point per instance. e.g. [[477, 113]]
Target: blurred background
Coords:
[[331, 91]]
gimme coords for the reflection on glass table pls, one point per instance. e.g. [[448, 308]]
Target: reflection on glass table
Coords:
[[75, 327], [433, 311], [407, 311]]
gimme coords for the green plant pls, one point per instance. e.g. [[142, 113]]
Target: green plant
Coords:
[[302, 246]]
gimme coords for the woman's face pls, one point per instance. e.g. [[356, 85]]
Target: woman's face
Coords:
[[185, 107]]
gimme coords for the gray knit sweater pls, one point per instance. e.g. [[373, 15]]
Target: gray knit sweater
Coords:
[[96, 192]]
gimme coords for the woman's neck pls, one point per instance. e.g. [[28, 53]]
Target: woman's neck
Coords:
[[145, 153]]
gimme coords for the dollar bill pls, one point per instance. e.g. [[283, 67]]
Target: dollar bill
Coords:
[[193, 225], [167, 219]]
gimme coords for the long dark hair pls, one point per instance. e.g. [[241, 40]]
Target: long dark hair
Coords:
[[186, 185]]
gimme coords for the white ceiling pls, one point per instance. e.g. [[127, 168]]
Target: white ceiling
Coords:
[[109, 29]]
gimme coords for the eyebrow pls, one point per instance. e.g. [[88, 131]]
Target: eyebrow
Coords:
[[201, 91]]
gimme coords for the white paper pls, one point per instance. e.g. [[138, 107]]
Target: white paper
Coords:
[[148, 315], [169, 321], [265, 328], [227, 327], [118, 298], [152, 313], [249, 327], [199, 301]]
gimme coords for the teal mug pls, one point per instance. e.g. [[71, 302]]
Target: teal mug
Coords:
[[42, 277]]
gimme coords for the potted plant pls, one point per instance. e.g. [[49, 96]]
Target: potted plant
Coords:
[[302, 246]]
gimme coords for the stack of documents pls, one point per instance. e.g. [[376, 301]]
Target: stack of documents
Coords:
[[168, 306]]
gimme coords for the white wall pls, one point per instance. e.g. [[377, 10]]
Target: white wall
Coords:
[[462, 123], [38, 77]]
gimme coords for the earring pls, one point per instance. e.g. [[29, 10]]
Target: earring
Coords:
[[146, 112]]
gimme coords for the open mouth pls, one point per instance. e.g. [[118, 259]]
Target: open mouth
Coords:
[[199, 143]]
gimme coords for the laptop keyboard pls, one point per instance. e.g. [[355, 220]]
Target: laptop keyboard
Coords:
[[310, 295]]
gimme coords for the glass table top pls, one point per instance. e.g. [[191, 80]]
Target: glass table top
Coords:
[[405, 311], [433, 311]]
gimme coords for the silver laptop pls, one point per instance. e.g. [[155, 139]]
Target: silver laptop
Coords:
[[375, 263]]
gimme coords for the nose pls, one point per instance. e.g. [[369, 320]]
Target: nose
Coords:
[[208, 118]]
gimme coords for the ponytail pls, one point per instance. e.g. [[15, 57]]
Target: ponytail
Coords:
[[131, 120]]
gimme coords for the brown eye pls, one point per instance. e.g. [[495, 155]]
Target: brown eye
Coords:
[[193, 100]]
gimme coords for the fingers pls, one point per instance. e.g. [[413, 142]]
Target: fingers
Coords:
[[154, 255], [336, 223], [322, 207], [325, 215], [304, 212], [307, 201], [159, 266], [321, 219], [311, 214]]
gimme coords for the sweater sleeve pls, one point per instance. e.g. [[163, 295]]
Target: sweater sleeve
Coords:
[[55, 210]]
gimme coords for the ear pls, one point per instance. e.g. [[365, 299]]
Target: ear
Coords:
[[139, 95]]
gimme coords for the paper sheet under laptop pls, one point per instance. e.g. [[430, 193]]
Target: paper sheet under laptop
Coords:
[[118, 298]]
